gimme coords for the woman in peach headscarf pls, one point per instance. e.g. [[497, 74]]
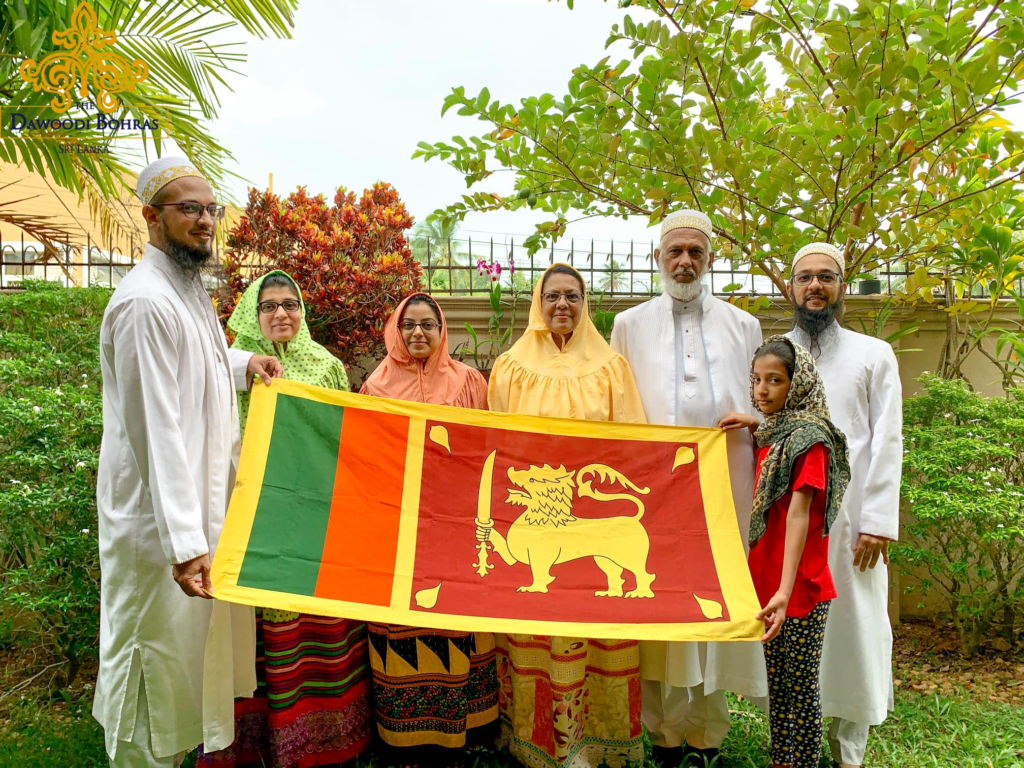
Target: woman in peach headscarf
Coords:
[[419, 702], [567, 701], [418, 366]]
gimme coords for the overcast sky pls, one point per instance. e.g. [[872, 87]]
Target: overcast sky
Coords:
[[345, 101]]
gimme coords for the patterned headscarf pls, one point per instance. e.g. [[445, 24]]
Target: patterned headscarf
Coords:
[[303, 359], [790, 433]]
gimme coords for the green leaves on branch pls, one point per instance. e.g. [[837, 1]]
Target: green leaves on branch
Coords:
[[884, 130]]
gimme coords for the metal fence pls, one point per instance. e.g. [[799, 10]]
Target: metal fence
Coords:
[[455, 267], [460, 267], [82, 264]]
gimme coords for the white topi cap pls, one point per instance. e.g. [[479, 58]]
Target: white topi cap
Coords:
[[824, 249], [687, 219], [160, 173]]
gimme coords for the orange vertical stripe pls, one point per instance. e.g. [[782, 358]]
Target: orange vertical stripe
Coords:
[[358, 563]]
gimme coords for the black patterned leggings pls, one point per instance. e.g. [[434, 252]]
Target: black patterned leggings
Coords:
[[794, 701]]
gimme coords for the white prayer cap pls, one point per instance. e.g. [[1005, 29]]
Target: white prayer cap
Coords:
[[823, 248], [160, 173], [687, 220]]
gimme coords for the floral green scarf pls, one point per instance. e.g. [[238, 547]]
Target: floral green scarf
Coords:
[[790, 433], [302, 358]]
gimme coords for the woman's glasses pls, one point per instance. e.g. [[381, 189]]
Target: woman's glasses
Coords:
[[194, 210], [825, 278], [428, 326], [270, 307], [572, 298]]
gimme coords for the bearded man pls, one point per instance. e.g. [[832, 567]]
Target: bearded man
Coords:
[[171, 659], [690, 353], [865, 400]]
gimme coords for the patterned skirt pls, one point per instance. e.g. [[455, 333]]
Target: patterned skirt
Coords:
[[311, 705], [432, 687], [570, 703]]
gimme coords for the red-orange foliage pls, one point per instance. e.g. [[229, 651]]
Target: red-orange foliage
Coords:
[[351, 260]]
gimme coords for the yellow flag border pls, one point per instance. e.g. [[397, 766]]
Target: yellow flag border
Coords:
[[726, 545]]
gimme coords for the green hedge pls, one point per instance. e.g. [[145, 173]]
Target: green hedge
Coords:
[[50, 429], [963, 488]]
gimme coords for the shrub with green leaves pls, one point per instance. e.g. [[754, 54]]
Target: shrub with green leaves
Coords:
[[50, 430], [963, 480]]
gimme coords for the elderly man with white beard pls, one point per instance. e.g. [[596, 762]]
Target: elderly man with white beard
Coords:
[[690, 353]]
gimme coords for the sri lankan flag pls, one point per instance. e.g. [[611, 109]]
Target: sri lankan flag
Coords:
[[430, 516]]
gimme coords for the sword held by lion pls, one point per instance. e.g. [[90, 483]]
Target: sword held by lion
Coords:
[[547, 533]]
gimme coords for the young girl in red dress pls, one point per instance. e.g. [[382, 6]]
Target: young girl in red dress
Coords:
[[802, 472]]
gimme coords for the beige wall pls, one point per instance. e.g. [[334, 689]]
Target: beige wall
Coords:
[[929, 338], [983, 375], [43, 198]]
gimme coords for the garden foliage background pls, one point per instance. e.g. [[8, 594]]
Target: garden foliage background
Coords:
[[932, 189], [964, 485], [51, 423]]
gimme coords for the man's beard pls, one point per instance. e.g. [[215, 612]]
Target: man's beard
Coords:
[[815, 322], [188, 257], [683, 291]]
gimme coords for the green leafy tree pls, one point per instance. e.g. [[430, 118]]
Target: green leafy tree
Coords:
[[976, 278], [433, 242], [436, 232], [884, 133], [616, 279], [191, 47]]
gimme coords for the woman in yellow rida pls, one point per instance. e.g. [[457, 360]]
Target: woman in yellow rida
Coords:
[[567, 701]]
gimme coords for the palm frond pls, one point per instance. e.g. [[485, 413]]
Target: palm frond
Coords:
[[111, 213], [262, 17], [186, 44]]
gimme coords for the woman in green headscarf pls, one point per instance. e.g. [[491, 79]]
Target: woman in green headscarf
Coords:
[[312, 700], [271, 320]]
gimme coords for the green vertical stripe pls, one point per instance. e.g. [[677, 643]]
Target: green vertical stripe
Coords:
[[288, 532]]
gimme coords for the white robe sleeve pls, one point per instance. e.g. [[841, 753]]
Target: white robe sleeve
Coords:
[[239, 361], [146, 339], [880, 511], [756, 338], [618, 339]]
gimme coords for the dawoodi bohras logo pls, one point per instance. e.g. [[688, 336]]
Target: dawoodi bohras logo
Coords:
[[86, 73]]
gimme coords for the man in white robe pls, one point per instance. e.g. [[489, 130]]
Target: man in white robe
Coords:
[[171, 659], [865, 400], [690, 353]]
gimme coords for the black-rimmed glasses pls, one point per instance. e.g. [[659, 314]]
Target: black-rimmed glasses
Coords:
[[270, 307], [194, 210]]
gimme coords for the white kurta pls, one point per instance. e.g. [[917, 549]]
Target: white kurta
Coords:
[[695, 397], [646, 337], [167, 464], [865, 400]]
